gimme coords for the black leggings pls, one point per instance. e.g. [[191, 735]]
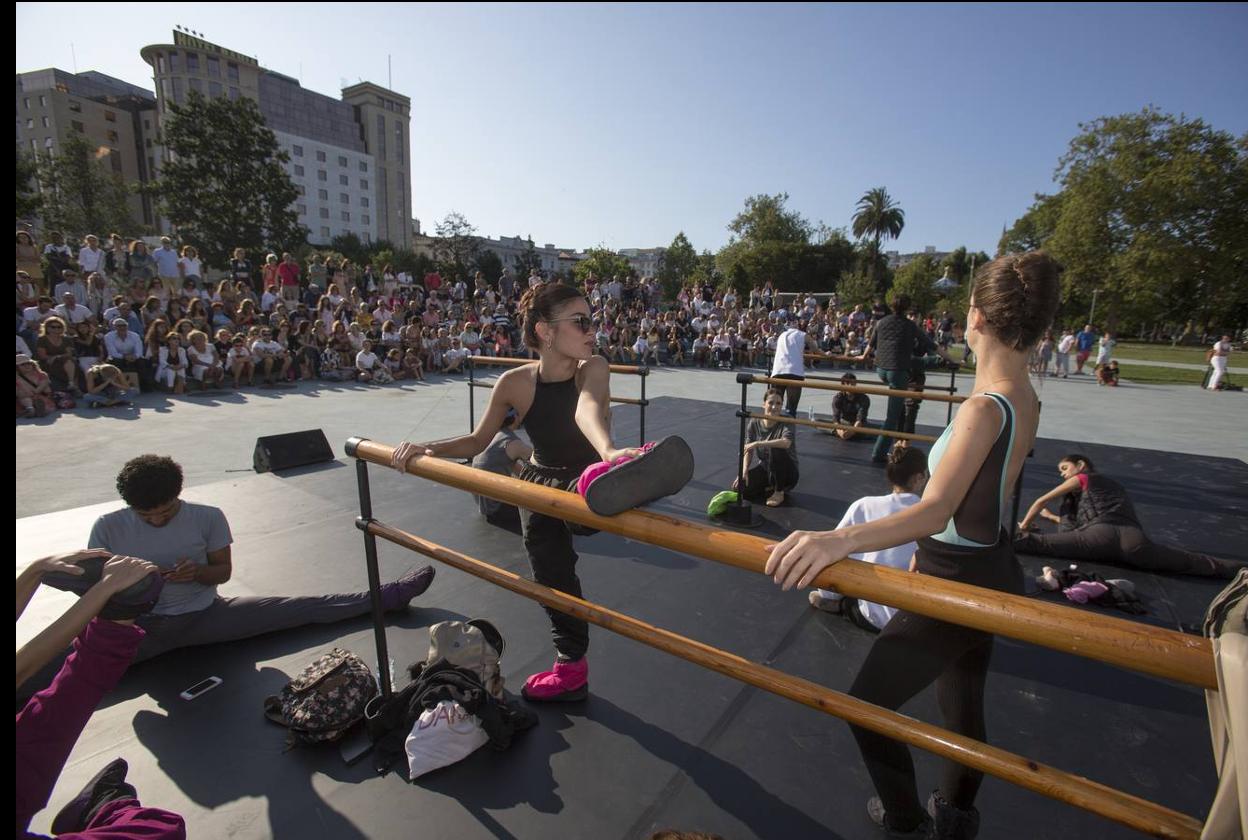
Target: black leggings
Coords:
[[772, 475], [911, 653], [791, 393], [1125, 545]]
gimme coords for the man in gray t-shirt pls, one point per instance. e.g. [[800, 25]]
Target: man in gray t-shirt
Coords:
[[191, 545]]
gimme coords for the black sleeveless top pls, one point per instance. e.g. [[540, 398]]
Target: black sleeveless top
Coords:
[[551, 423]]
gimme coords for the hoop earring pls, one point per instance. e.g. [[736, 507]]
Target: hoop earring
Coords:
[[550, 343]]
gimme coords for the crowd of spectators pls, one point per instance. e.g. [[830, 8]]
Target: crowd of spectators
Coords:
[[102, 322]]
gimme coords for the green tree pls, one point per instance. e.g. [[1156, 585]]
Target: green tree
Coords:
[[456, 248], [1033, 229], [490, 265], [878, 218], [1154, 215], [223, 186], [916, 279], [526, 261], [602, 263], [766, 219], [79, 195], [350, 245], [856, 287], [679, 262], [28, 199]]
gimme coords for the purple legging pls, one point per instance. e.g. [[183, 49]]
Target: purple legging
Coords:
[[49, 725]]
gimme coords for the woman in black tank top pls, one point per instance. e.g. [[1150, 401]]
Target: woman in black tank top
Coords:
[[1012, 303], [563, 402]]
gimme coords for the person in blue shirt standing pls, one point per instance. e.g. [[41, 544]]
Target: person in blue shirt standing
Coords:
[[1085, 340]]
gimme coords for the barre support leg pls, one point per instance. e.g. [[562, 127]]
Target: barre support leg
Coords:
[[374, 576]]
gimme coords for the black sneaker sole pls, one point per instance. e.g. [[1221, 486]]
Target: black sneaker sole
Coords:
[[661, 472]]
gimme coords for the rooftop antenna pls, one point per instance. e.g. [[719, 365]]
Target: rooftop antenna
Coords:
[[389, 73], [74, 56]]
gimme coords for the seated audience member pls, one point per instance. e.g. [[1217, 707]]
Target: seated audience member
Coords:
[[72, 312], [88, 346], [412, 367], [101, 628], [907, 474], [240, 361], [171, 365], [206, 366], [270, 358], [34, 316], [504, 455], [55, 352], [124, 349], [1098, 523], [191, 545], [849, 408], [34, 389], [455, 357], [369, 367], [772, 449], [107, 386]]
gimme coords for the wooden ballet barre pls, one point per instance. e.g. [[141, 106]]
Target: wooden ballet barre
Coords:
[[1126, 644], [820, 385], [1100, 799], [830, 426], [635, 370], [621, 400]]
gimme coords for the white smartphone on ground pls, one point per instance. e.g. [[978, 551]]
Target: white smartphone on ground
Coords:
[[201, 687]]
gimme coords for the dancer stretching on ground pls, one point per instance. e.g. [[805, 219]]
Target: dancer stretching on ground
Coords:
[[773, 448], [957, 525], [1098, 523], [563, 403]]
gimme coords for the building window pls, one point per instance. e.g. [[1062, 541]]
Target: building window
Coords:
[[346, 216], [298, 170], [381, 136], [399, 145], [301, 209], [234, 93], [215, 90], [320, 157], [214, 66], [47, 143], [299, 188], [323, 195], [389, 105], [151, 164], [231, 71], [43, 102], [343, 198], [45, 122], [34, 146], [324, 212], [364, 201], [367, 219], [26, 103], [178, 93], [363, 183], [298, 150], [363, 166], [196, 85], [173, 62], [343, 180], [110, 116], [76, 107], [147, 125], [112, 136], [324, 233], [366, 236], [192, 62], [322, 175], [160, 63], [342, 161], [114, 158], [30, 122], [78, 127]]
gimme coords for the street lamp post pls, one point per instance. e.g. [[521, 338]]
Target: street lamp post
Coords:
[[1095, 292]]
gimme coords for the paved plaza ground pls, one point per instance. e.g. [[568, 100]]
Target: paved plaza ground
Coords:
[[72, 459]]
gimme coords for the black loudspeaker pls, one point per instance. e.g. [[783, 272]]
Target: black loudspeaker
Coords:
[[294, 449]]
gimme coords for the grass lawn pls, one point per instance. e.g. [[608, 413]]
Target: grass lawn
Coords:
[[1147, 374], [1160, 353]]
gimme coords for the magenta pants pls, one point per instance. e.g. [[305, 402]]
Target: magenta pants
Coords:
[[49, 726]]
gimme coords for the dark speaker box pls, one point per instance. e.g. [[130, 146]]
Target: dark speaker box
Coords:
[[294, 449]]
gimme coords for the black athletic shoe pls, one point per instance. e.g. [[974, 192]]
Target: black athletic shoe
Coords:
[[875, 810], [131, 602], [950, 823], [109, 784], [662, 471]]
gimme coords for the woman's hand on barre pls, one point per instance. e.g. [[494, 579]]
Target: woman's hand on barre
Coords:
[[408, 450], [802, 555]]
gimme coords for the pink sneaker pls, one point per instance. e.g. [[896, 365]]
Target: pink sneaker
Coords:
[[568, 681]]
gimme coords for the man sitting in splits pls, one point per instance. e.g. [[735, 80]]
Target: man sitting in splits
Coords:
[[849, 408], [190, 543], [1098, 523]]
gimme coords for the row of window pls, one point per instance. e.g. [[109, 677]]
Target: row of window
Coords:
[[323, 195], [322, 175], [297, 151], [365, 236], [302, 209], [212, 65]]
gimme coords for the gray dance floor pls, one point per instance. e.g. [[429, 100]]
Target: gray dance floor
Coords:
[[660, 743]]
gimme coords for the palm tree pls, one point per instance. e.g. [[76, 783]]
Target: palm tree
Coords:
[[880, 218]]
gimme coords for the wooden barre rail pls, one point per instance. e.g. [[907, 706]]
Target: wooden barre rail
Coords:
[[826, 424], [1066, 787], [635, 370], [853, 389], [622, 400], [1126, 644]]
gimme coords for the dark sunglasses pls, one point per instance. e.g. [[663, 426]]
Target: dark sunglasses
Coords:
[[583, 323]]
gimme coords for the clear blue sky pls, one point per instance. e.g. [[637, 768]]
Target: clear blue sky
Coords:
[[622, 125]]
